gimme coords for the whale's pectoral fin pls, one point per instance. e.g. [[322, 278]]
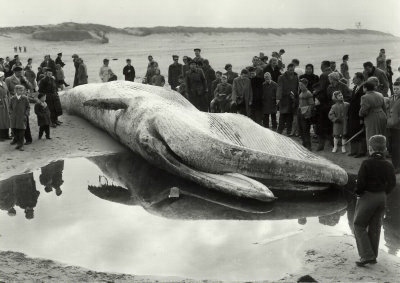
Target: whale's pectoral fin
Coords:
[[231, 183], [107, 104]]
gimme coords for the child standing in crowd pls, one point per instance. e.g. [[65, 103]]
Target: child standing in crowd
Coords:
[[43, 116], [19, 111], [375, 180], [305, 112], [338, 115]]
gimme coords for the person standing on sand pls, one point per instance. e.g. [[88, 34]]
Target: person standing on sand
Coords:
[[105, 71], [373, 110], [185, 66], [337, 85], [157, 79], [242, 94], [393, 125], [376, 179], [82, 73], [209, 74], [389, 75], [174, 71], [75, 59], [269, 101], [129, 71], [19, 111], [381, 60], [17, 79], [4, 109], [196, 87], [371, 71], [257, 90], [230, 74], [59, 60], [43, 116], [358, 147], [217, 81], [48, 86], [344, 69], [49, 64], [273, 69], [310, 76], [197, 57]]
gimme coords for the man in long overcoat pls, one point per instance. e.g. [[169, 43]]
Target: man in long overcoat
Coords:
[[288, 85], [48, 86], [269, 101], [19, 111], [174, 71], [242, 93], [4, 109], [196, 87]]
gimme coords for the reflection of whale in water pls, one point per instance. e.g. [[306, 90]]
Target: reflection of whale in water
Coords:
[[219, 151], [150, 187]]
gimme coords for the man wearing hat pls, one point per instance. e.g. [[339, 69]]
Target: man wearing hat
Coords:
[[59, 60], [196, 87], [174, 71], [197, 58], [17, 79], [230, 74], [129, 71], [82, 75]]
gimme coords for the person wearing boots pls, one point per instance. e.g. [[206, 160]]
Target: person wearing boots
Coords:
[[338, 115]]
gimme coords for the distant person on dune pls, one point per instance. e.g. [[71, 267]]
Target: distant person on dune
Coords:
[[174, 71], [129, 71], [381, 60], [24, 49], [20, 49], [105, 71]]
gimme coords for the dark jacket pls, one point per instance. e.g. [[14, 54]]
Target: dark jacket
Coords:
[[323, 124], [343, 88], [383, 80], [174, 71], [393, 115], [129, 73], [82, 75], [26, 193], [214, 85], [269, 97], [312, 80], [376, 175], [209, 74], [43, 114], [275, 73], [195, 82], [49, 87], [19, 109], [286, 86], [242, 92], [60, 62], [49, 64], [231, 76], [354, 108], [4, 107]]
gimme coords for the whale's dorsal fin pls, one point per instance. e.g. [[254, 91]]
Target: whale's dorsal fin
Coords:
[[107, 104]]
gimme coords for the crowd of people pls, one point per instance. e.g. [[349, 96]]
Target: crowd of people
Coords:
[[309, 106]]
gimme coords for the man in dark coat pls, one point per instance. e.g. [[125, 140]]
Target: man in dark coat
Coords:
[[273, 69], [76, 65], [288, 85], [358, 146], [389, 74], [49, 64], [129, 71], [174, 71], [323, 103], [196, 87], [82, 73], [230, 74], [59, 60], [257, 89], [242, 94], [48, 86], [371, 71], [197, 57], [185, 66], [269, 101], [310, 76], [337, 85], [217, 81], [209, 74], [19, 111]]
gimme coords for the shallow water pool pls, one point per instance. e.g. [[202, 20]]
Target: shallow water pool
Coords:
[[117, 213]]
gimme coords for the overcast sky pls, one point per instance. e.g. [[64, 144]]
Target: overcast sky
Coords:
[[382, 15]]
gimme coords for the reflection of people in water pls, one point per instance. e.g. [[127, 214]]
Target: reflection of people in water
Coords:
[[26, 193], [331, 219], [7, 196], [51, 177], [391, 222]]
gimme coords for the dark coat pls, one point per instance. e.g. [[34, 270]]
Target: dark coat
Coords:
[[383, 80], [373, 110], [4, 107], [82, 74], [60, 62], [242, 92], [76, 65], [312, 80], [286, 86], [231, 76], [393, 115], [7, 194], [49, 87], [214, 85], [196, 83], [209, 74], [343, 88], [129, 73], [275, 73], [185, 69], [174, 71], [19, 112], [354, 124], [26, 193], [43, 114], [269, 97], [323, 124], [49, 64]]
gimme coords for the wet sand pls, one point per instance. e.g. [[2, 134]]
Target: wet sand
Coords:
[[325, 258]]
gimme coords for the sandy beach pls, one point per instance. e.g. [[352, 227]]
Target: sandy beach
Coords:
[[325, 258]]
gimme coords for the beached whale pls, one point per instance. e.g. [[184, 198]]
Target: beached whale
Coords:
[[219, 151]]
